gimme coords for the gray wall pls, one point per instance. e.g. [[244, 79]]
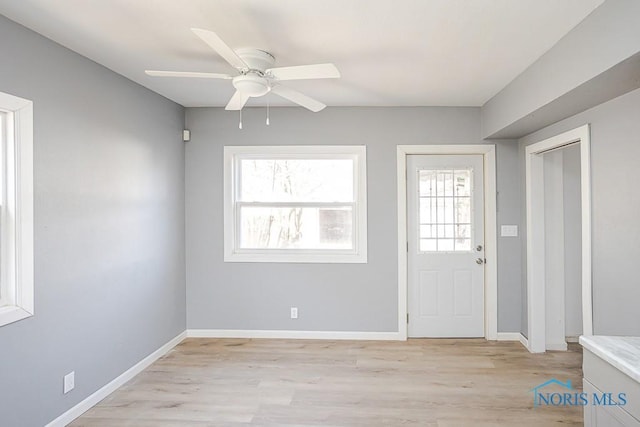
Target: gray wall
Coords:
[[109, 228], [554, 250], [602, 43], [335, 297], [563, 245], [615, 150], [509, 248], [572, 240]]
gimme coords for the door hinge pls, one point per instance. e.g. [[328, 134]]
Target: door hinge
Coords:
[[407, 317]]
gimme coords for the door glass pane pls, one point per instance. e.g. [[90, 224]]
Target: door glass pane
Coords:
[[427, 231], [427, 183], [426, 211], [448, 231], [445, 245], [463, 210], [445, 206], [463, 231], [440, 183], [463, 182]]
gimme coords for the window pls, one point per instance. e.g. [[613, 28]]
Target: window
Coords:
[[16, 208], [295, 204], [445, 210]]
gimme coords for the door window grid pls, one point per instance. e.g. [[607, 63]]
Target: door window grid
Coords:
[[445, 206]]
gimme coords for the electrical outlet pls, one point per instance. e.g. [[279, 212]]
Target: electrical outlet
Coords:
[[294, 312], [69, 381]]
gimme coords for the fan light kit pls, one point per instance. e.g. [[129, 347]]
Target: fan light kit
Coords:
[[251, 85], [256, 77]]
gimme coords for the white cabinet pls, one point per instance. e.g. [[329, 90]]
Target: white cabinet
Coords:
[[605, 416], [611, 367]]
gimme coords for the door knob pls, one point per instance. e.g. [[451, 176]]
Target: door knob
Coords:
[[479, 261], [479, 248]]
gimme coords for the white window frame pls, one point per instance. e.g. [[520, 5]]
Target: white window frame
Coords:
[[16, 241], [233, 154]]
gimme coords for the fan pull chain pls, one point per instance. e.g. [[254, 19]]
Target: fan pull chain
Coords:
[[240, 124], [267, 112]]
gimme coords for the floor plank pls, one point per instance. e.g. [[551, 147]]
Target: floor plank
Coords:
[[262, 382]]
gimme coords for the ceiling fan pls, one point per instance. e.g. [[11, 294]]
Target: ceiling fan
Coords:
[[256, 77]]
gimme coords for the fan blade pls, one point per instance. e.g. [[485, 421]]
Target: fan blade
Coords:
[[301, 72], [298, 98], [156, 73], [216, 43], [237, 101]]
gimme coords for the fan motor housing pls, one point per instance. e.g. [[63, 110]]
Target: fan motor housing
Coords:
[[256, 59], [252, 81]]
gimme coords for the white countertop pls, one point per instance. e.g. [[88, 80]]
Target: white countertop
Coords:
[[621, 352]]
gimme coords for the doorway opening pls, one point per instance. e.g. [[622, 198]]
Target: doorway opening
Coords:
[[558, 203]]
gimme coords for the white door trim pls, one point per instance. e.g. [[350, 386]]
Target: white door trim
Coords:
[[491, 252], [534, 176]]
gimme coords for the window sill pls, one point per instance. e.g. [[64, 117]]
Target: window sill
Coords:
[[12, 313], [297, 258]]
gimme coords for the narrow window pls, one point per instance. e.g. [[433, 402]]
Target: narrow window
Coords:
[[16, 209]]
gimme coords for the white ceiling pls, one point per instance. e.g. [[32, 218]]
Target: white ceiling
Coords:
[[390, 52]]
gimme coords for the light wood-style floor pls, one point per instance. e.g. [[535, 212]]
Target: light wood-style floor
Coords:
[[264, 382]]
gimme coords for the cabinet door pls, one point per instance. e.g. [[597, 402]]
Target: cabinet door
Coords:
[[605, 416]]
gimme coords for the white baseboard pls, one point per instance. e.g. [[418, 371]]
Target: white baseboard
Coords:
[[575, 339], [561, 346], [307, 335], [524, 341], [96, 397], [513, 336], [508, 336]]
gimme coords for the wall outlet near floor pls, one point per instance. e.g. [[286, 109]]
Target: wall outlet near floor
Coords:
[[69, 381], [294, 312]]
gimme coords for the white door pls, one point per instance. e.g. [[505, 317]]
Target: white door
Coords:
[[445, 210]]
